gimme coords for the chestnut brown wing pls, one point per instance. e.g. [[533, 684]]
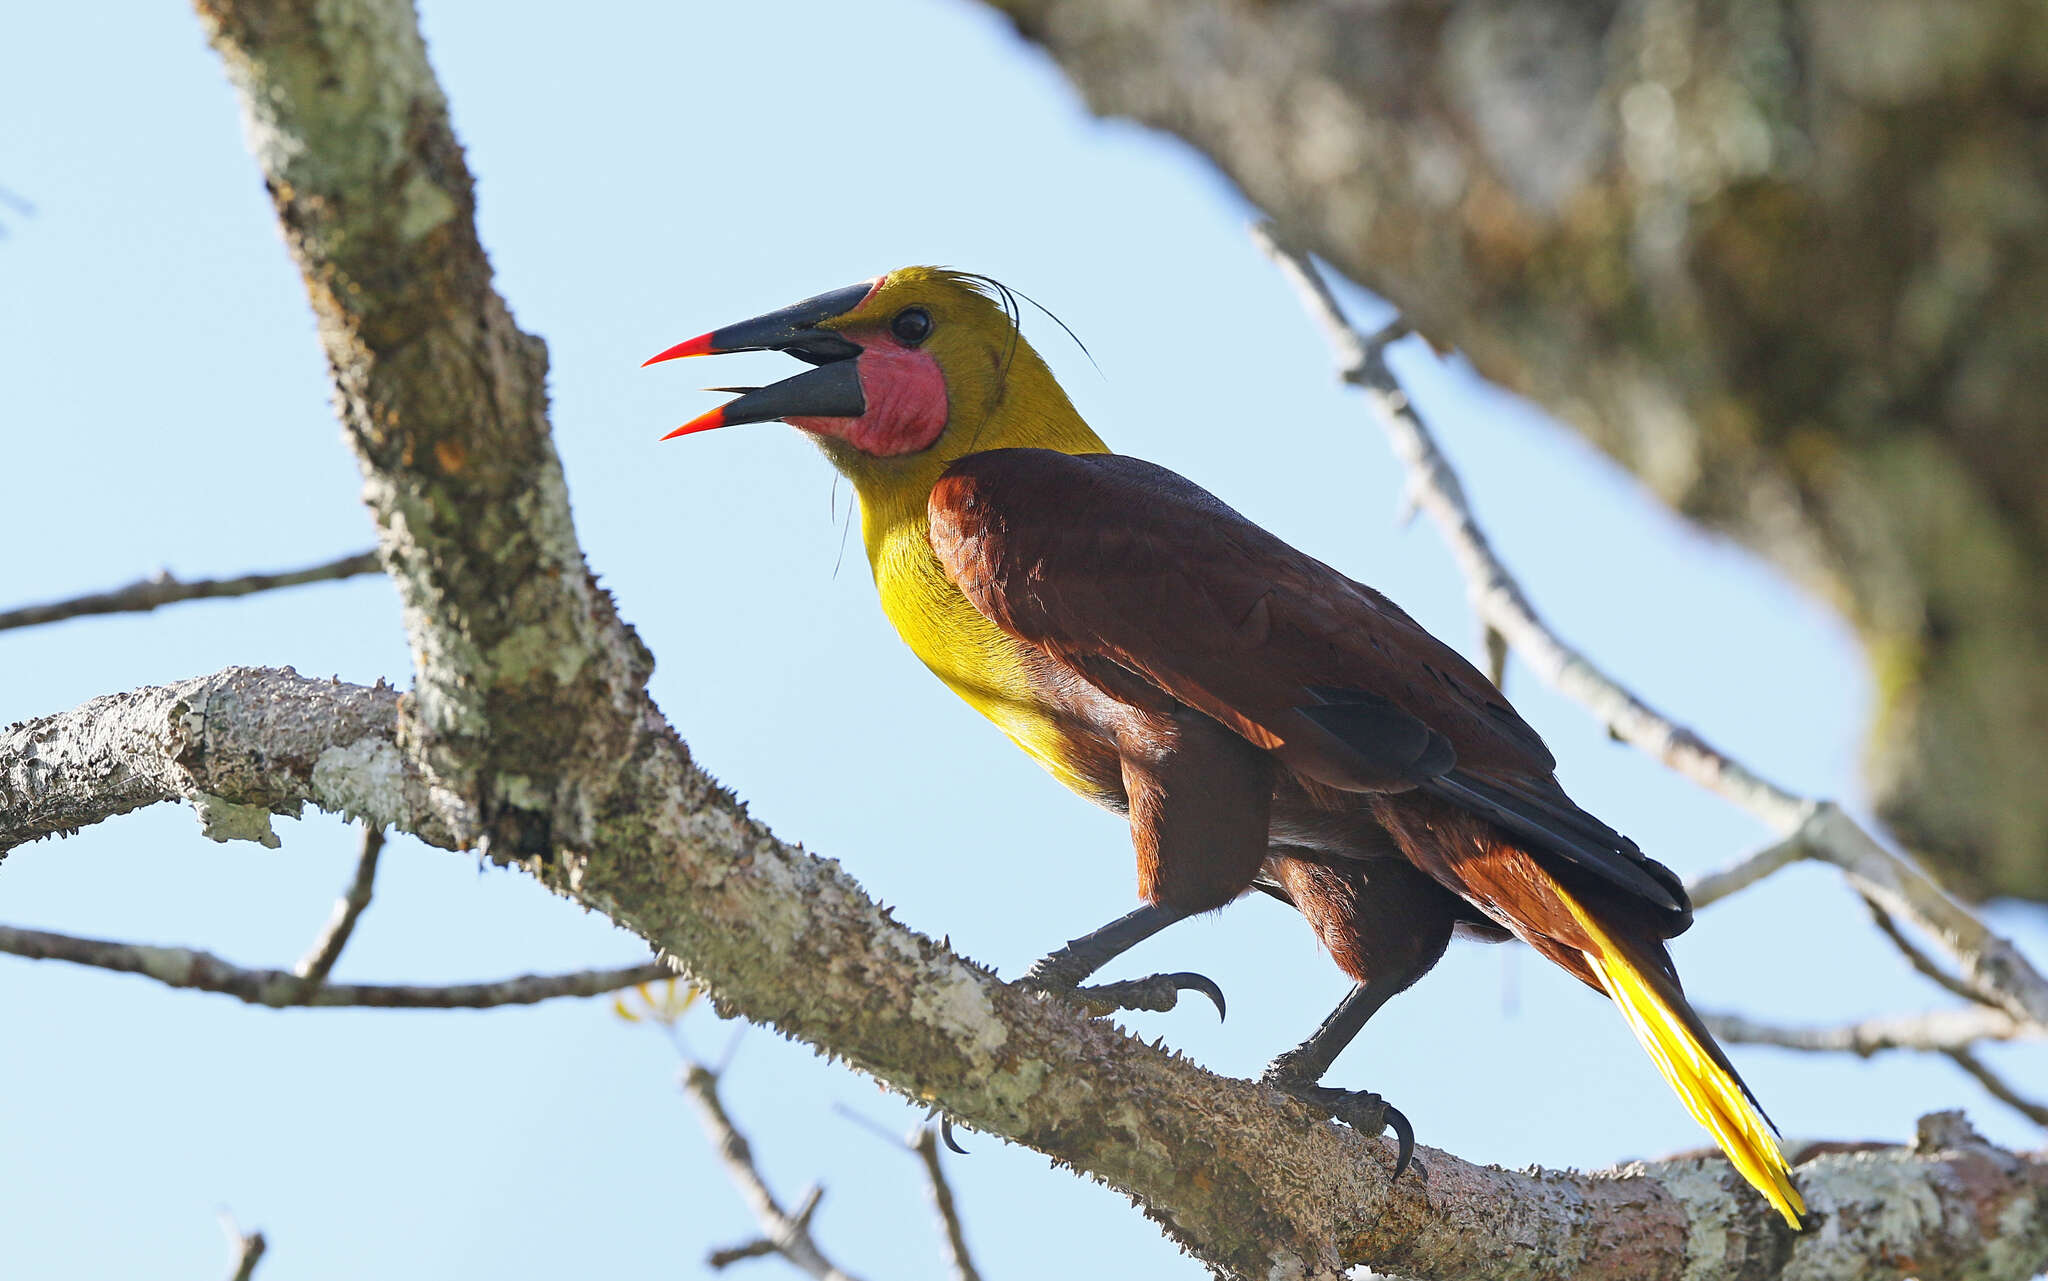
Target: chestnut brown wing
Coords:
[[1126, 571]]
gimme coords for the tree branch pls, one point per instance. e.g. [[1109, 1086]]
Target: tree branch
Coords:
[[319, 961], [1715, 886], [1936, 1031], [240, 746], [787, 1233], [285, 989], [1235, 1171], [248, 1248], [1996, 1087], [527, 688], [926, 1145], [1820, 828], [165, 589]]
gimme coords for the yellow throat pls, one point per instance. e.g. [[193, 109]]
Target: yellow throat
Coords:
[[976, 659]]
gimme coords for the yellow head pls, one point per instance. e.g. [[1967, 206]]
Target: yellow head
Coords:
[[913, 370]]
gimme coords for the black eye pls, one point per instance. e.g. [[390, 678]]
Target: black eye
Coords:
[[912, 326]]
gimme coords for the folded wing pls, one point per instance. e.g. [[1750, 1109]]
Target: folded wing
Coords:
[[1142, 581]]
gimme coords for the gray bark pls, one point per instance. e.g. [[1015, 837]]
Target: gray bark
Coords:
[[1781, 258]]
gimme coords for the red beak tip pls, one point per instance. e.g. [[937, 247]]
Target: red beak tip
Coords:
[[698, 346], [703, 422]]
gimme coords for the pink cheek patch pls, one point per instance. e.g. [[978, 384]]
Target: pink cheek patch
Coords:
[[906, 398]]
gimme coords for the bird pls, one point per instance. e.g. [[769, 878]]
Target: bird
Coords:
[[1265, 722]]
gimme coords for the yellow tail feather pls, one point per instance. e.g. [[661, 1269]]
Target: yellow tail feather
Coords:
[[1712, 1094]]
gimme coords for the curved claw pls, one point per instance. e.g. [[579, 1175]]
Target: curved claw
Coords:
[[945, 1128], [1404, 1138], [1189, 981], [946, 1136]]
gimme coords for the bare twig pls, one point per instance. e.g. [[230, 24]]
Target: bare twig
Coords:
[[165, 589], [1996, 1087], [1715, 886], [1924, 963], [926, 1145], [319, 961], [1824, 832], [787, 1233], [1935, 1031], [282, 989], [248, 1248]]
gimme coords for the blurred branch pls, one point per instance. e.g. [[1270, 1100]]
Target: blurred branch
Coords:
[[1715, 886], [248, 1248], [1935, 1031], [165, 589], [926, 1145], [284, 989], [785, 1233], [1924, 963], [1819, 829], [1995, 1086], [319, 961]]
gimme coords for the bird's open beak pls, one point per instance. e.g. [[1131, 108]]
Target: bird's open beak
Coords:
[[832, 390]]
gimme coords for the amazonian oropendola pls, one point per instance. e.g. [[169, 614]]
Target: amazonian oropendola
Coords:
[[1264, 721]]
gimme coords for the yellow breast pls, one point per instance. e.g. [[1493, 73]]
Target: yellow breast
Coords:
[[976, 659]]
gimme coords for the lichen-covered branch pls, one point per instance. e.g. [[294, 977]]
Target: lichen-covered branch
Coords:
[[166, 589], [282, 989], [1818, 829], [268, 738], [526, 685], [1240, 1175]]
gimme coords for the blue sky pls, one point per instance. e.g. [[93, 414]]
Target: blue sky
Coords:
[[646, 173]]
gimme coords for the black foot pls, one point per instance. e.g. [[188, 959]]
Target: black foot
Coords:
[[1157, 992], [1363, 1111]]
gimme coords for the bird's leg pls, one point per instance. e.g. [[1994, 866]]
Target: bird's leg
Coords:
[[1061, 973], [1299, 1071]]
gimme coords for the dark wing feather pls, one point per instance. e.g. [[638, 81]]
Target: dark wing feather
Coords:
[[1546, 821], [1140, 579], [1105, 557]]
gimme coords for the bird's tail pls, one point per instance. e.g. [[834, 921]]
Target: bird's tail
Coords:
[[1685, 1053]]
